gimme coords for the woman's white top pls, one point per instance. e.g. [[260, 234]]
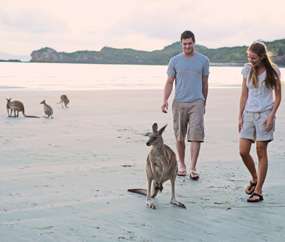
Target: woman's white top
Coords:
[[260, 98]]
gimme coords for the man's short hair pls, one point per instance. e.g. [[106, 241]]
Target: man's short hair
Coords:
[[187, 35]]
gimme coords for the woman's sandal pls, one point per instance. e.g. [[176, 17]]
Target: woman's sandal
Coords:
[[250, 188], [258, 199], [194, 175]]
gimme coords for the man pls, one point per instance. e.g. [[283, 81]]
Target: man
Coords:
[[190, 71]]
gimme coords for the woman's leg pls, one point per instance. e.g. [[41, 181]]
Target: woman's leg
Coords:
[[261, 150], [244, 149]]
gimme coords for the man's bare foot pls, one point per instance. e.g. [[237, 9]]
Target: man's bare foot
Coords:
[[181, 169]]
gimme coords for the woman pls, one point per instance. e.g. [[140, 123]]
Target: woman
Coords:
[[261, 78]]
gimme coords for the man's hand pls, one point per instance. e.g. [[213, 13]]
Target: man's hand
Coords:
[[164, 107]]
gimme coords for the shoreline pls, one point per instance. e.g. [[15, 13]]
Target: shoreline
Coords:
[[213, 64]]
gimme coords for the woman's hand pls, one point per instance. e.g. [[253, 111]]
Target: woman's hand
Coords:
[[240, 123], [268, 124]]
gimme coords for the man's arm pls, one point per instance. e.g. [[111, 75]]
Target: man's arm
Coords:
[[166, 93], [205, 87]]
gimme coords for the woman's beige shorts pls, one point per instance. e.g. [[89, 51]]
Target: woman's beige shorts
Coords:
[[188, 118], [253, 127]]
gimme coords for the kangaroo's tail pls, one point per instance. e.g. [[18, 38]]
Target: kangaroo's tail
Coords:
[[29, 116], [138, 191]]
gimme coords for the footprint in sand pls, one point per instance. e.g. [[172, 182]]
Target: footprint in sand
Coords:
[[45, 228]]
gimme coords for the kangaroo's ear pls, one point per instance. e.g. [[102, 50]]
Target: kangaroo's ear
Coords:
[[162, 129], [154, 128]]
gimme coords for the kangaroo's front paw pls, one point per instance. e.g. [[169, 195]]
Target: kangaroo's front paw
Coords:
[[178, 204], [150, 204]]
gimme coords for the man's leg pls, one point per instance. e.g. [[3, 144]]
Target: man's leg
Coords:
[[194, 150], [180, 122], [195, 135], [180, 145]]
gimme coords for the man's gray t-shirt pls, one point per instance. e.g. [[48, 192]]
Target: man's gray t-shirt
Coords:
[[188, 72]]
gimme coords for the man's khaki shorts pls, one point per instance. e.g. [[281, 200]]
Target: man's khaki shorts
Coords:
[[253, 127], [188, 118]]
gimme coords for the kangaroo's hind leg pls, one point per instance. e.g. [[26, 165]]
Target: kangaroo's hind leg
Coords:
[[173, 200]]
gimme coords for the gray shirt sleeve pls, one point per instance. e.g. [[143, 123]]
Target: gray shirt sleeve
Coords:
[[171, 72], [206, 66]]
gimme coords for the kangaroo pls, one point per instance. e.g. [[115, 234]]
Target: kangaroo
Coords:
[[17, 107], [9, 109], [161, 166], [64, 101], [47, 109]]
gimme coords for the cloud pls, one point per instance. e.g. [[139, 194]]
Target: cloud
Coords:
[[30, 21], [141, 24], [215, 23]]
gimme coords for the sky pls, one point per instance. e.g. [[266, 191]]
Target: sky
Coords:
[[67, 25]]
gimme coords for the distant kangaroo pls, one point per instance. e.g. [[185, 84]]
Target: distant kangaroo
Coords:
[[161, 166], [16, 107], [64, 101], [9, 109], [47, 109]]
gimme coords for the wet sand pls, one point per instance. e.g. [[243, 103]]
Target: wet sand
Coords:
[[66, 179]]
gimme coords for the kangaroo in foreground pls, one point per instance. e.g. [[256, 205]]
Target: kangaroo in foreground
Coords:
[[47, 109], [16, 107], [64, 101], [161, 166]]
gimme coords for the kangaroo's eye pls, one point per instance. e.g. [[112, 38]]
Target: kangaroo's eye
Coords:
[[153, 138]]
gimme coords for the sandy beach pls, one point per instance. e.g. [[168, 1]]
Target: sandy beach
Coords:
[[66, 179]]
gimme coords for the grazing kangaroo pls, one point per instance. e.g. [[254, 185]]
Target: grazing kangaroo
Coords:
[[161, 166], [64, 101], [47, 109], [17, 107]]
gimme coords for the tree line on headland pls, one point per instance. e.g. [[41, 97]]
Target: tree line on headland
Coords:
[[107, 55]]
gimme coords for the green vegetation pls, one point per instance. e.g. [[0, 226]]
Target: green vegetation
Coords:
[[107, 55]]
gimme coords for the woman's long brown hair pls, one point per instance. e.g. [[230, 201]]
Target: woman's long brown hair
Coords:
[[260, 49]]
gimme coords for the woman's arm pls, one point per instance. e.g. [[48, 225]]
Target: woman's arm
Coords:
[[277, 92], [243, 99], [277, 100]]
